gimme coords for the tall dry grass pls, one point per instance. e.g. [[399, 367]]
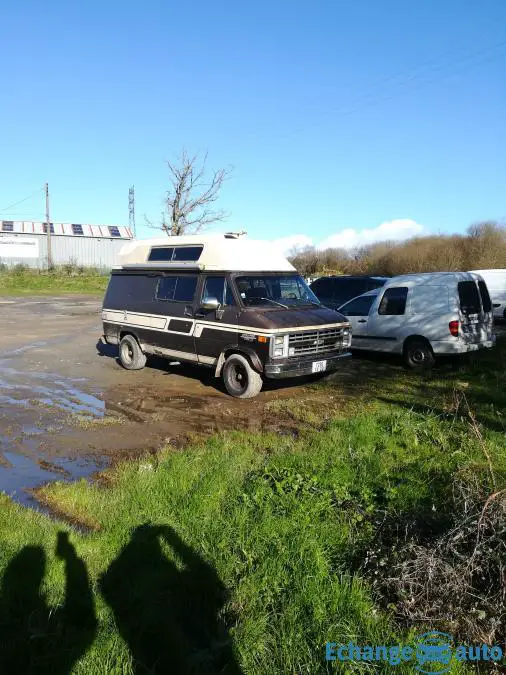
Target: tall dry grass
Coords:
[[482, 247]]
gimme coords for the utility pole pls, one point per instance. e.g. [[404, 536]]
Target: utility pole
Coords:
[[131, 210], [48, 231]]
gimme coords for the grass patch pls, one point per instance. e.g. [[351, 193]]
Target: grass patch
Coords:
[[88, 422], [69, 278], [244, 552]]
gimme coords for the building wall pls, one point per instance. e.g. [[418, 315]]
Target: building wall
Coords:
[[31, 250]]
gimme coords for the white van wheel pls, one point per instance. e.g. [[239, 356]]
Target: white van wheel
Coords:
[[418, 354], [241, 381], [131, 355]]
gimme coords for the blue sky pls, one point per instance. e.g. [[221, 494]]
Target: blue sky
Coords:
[[336, 116]]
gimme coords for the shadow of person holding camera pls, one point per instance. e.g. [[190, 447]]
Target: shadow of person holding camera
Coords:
[[168, 612], [37, 638]]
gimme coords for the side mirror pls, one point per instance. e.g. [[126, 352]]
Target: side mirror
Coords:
[[210, 304]]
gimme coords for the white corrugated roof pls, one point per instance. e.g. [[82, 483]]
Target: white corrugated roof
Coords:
[[220, 252]]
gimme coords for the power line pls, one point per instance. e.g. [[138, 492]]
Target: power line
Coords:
[[419, 81], [23, 213], [22, 200]]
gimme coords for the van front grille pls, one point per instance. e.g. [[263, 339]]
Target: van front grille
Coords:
[[315, 342]]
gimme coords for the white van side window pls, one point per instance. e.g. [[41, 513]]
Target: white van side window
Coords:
[[393, 301]]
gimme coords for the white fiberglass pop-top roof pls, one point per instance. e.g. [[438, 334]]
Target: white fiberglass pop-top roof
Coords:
[[219, 252]]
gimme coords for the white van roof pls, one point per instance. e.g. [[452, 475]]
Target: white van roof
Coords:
[[223, 252], [429, 278], [490, 273]]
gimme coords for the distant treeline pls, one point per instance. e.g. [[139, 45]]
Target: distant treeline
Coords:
[[482, 247]]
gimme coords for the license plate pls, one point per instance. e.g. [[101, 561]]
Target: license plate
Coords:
[[319, 366]]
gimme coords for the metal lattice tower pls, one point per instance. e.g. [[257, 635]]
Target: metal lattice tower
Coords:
[[131, 210]]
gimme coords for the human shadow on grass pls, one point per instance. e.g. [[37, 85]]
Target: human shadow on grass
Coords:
[[168, 613], [37, 638]]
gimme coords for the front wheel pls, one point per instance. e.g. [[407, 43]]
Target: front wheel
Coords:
[[131, 355], [241, 381], [418, 354]]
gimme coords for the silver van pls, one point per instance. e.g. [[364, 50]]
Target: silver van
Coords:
[[422, 315]]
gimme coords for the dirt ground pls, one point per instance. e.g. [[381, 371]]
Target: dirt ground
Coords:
[[67, 408]]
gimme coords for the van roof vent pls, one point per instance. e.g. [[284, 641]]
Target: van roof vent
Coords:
[[235, 235]]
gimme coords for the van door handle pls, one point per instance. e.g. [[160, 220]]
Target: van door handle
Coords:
[[362, 321]]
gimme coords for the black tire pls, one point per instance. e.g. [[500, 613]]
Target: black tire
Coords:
[[241, 381], [131, 355], [418, 354]]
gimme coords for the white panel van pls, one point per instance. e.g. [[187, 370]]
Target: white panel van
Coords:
[[496, 284], [422, 315]]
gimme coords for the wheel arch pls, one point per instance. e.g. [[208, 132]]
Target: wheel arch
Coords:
[[413, 338], [250, 354], [128, 331]]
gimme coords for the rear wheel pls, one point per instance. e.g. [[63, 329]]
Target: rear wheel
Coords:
[[418, 354], [131, 355], [241, 381]]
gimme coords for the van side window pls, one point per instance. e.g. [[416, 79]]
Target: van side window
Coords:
[[393, 301], [177, 289], [162, 254], [181, 253], [187, 253], [358, 307], [185, 289], [165, 288], [217, 287]]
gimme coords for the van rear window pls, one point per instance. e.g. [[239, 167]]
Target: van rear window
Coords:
[[469, 297], [485, 297]]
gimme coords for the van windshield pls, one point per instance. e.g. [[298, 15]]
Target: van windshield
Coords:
[[274, 290]]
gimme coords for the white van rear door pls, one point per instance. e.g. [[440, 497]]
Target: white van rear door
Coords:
[[476, 322]]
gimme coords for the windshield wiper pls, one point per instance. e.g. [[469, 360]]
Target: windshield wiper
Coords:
[[275, 302]]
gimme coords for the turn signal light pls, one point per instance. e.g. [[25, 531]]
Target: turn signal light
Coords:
[[261, 338], [454, 328]]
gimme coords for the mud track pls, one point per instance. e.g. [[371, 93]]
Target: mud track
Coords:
[[67, 409]]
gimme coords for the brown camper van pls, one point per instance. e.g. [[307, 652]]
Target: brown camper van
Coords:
[[222, 301]]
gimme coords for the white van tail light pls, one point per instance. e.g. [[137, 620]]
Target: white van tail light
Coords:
[[454, 328]]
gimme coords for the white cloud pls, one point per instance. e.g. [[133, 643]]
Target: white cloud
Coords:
[[287, 244], [392, 230]]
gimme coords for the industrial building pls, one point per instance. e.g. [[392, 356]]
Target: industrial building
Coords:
[[26, 242]]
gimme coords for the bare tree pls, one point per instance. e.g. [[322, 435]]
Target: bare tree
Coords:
[[191, 195]]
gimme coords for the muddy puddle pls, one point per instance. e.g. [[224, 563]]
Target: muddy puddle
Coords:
[[34, 408], [20, 474], [63, 428]]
